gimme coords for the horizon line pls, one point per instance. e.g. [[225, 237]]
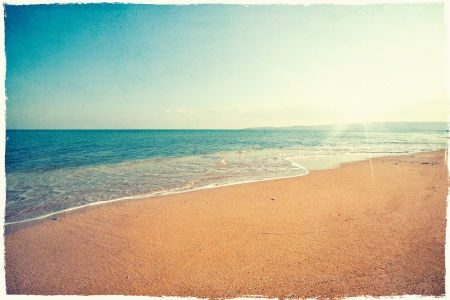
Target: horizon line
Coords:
[[256, 127]]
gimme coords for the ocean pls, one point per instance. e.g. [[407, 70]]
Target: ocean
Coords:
[[50, 171]]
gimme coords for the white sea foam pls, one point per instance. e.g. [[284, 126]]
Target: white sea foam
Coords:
[[302, 165]]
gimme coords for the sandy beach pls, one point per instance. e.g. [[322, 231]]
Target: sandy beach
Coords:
[[375, 227]]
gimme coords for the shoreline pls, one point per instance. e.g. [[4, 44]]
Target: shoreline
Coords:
[[349, 231], [173, 192]]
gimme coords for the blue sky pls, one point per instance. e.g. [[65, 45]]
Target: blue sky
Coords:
[[223, 66]]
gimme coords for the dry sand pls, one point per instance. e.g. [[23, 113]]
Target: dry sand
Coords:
[[332, 233]]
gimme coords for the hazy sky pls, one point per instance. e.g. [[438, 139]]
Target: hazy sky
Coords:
[[223, 66]]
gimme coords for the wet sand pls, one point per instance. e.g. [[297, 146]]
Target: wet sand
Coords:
[[375, 227]]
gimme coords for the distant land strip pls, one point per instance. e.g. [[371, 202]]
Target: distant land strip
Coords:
[[370, 127]]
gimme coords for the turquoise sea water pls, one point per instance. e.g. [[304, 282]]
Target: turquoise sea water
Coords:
[[49, 171]]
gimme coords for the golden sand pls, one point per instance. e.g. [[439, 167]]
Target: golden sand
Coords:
[[366, 228]]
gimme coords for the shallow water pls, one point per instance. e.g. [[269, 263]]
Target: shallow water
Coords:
[[49, 171]]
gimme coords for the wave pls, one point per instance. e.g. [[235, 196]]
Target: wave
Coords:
[[34, 193]]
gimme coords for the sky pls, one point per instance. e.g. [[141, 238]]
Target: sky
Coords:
[[129, 66]]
